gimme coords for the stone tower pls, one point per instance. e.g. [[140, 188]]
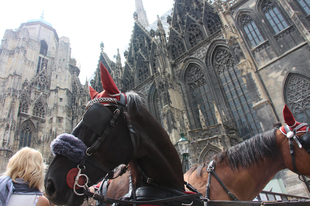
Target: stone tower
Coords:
[[40, 95]]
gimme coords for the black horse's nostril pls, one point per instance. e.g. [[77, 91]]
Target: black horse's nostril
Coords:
[[50, 188]]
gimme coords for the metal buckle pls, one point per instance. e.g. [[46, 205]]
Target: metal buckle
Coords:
[[210, 167], [88, 154], [149, 180]]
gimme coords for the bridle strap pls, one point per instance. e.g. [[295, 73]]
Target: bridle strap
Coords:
[[291, 135], [211, 171]]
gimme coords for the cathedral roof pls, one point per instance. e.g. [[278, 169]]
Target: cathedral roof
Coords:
[[40, 20]]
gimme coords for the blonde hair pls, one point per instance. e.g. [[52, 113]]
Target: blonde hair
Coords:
[[27, 163]]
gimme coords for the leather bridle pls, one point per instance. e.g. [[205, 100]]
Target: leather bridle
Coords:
[[80, 171], [303, 142]]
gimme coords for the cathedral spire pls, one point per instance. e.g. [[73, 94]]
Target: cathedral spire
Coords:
[[142, 18], [42, 15]]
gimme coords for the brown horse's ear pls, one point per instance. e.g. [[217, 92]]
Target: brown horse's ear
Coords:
[[107, 82], [92, 92], [288, 116]]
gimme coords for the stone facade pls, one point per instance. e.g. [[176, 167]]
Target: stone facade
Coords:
[[40, 93], [224, 72]]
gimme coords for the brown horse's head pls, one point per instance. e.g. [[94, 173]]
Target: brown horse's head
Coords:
[[295, 144]]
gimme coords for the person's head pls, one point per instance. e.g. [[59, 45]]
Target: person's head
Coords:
[[27, 163]]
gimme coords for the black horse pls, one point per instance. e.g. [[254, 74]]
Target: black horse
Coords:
[[116, 129]]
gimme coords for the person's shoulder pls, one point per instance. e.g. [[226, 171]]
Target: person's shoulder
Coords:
[[43, 201]]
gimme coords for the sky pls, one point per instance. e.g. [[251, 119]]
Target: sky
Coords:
[[86, 23]]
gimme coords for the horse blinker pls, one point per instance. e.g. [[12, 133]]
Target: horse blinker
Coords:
[[97, 118]]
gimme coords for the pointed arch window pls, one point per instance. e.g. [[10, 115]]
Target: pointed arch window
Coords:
[[43, 47], [38, 110], [194, 34], [297, 96], [236, 92], [251, 30], [25, 135], [200, 95], [305, 5], [274, 17]]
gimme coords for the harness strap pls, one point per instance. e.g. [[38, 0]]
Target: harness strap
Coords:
[[210, 170], [190, 187], [290, 135], [147, 179], [208, 185]]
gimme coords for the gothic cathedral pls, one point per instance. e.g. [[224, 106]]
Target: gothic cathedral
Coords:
[[221, 72]]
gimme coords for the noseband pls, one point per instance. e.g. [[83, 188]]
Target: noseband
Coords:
[[77, 177], [302, 142]]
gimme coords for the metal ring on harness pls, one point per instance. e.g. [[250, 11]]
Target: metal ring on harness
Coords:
[[75, 181]]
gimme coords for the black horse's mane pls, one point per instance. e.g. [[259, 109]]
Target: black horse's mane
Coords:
[[246, 153]]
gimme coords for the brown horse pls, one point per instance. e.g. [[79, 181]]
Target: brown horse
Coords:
[[116, 129], [246, 168]]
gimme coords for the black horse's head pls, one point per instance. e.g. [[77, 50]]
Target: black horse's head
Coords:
[[104, 137]]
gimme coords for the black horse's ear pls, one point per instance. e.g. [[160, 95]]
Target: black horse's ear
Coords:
[[97, 118]]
